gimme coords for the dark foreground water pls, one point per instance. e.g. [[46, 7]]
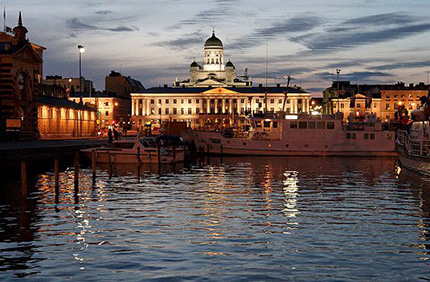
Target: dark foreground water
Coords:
[[298, 219]]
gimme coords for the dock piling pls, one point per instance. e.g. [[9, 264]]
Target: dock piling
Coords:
[[93, 165], [76, 163], [57, 175], [24, 178]]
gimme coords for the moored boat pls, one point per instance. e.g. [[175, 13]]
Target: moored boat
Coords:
[[299, 135], [414, 144], [152, 149]]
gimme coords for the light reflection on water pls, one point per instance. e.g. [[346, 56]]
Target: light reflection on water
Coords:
[[242, 219]]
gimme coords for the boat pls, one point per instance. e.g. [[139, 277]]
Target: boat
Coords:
[[413, 143], [303, 135], [164, 149]]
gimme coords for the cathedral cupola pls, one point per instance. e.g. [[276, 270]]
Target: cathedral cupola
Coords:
[[20, 32], [213, 54]]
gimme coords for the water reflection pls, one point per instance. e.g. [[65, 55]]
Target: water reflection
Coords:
[[242, 218]]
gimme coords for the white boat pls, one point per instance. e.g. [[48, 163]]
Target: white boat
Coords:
[[158, 149], [414, 144], [299, 135]]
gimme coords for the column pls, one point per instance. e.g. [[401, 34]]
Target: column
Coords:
[[223, 105], [208, 106], [230, 105], [133, 109], [148, 106], [216, 106]]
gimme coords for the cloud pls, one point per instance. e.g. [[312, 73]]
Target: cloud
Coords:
[[76, 24], [407, 65], [275, 30], [103, 12], [183, 42], [381, 19], [356, 76]]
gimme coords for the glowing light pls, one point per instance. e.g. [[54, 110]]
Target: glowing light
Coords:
[[291, 117]]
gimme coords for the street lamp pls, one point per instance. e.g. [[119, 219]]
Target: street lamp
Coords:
[[337, 92], [81, 50]]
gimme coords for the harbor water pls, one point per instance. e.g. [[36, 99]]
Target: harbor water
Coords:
[[235, 219]]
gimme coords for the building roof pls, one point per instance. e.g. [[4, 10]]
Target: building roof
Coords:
[[262, 90], [213, 41], [62, 103]]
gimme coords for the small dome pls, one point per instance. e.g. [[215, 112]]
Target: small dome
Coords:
[[213, 41], [194, 65], [229, 64]]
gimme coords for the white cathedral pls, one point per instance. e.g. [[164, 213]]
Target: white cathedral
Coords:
[[213, 73]]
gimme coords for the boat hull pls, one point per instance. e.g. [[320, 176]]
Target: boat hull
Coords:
[[417, 164]]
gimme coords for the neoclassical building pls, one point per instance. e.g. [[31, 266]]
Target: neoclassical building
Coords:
[[214, 96]]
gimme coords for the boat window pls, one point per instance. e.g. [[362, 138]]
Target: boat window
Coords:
[[354, 136], [293, 124], [330, 125], [366, 136], [275, 124], [258, 123], [348, 136], [266, 124], [372, 136], [321, 125], [303, 124], [311, 125]]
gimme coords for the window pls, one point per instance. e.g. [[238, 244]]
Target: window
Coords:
[[272, 109], [175, 111], [182, 111], [348, 136], [197, 101], [197, 110], [242, 101], [152, 111], [234, 101], [212, 101], [354, 136], [258, 123], [387, 106], [366, 136], [374, 105], [303, 125], [358, 105], [159, 101], [257, 100], [189, 111], [275, 124], [330, 125], [342, 105], [293, 124], [311, 125], [106, 103], [107, 113], [280, 101], [152, 101], [182, 101], [372, 136], [321, 125], [175, 101], [167, 101], [395, 106], [189, 101], [272, 101], [166, 111], [159, 111], [266, 124]]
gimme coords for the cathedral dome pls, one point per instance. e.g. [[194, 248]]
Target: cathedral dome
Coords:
[[213, 41], [229, 64], [194, 64]]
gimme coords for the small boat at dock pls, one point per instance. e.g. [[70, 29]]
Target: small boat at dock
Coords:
[[163, 149]]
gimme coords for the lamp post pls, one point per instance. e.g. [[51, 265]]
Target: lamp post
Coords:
[[81, 51], [337, 92]]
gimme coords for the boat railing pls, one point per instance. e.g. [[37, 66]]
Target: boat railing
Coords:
[[414, 146]]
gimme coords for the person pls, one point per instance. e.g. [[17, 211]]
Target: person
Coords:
[[110, 139], [115, 134]]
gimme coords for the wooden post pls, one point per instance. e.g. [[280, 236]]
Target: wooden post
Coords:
[[24, 179], [110, 169], [93, 165], [57, 175], [76, 162], [139, 161]]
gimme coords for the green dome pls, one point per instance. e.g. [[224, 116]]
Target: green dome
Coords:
[[213, 41]]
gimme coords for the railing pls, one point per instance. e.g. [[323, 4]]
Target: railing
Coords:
[[412, 145]]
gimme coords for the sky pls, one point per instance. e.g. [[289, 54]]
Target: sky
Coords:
[[155, 41]]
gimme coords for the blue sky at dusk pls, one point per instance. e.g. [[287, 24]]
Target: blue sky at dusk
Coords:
[[372, 41]]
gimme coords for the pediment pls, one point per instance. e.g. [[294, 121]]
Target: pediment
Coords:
[[219, 90], [26, 53]]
